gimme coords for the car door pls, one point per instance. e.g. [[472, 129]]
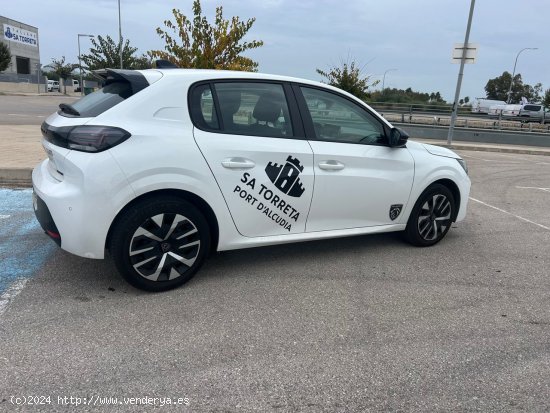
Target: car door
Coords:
[[359, 180], [257, 152]]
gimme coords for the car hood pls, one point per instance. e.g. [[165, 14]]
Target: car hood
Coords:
[[440, 151]]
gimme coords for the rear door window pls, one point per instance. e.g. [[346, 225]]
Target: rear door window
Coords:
[[258, 109], [534, 108], [242, 108]]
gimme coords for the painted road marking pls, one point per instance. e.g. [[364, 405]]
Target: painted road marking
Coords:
[[13, 290], [509, 213], [19, 227], [534, 187]]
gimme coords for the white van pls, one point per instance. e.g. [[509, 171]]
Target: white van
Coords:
[[53, 85]]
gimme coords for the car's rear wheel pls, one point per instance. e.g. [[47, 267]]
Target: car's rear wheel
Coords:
[[159, 244], [431, 217]]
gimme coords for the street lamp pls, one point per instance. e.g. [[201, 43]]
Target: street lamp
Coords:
[[79, 61], [514, 72], [384, 78]]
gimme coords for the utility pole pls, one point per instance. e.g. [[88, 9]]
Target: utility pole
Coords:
[[38, 66], [119, 34], [460, 75], [80, 62]]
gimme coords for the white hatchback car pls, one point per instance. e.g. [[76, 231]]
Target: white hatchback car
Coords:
[[161, 167]]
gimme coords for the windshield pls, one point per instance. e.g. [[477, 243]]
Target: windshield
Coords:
[[98, 102]]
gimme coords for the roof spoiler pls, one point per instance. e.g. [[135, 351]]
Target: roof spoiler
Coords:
[[135, 78]]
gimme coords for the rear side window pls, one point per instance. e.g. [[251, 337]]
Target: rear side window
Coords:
[[98, 102], [534, 108], [203, 109]]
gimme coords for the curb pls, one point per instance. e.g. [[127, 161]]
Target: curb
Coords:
[[16, 177]]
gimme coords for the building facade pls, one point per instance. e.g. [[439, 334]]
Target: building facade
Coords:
[[22, 40]]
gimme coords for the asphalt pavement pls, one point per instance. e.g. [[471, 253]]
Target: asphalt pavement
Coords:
[[30, 110], [354, 324]]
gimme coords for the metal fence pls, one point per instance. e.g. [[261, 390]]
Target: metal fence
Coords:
[[440, 115]]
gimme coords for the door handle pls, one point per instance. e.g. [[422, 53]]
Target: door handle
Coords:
[[331, 165], [238, 163]]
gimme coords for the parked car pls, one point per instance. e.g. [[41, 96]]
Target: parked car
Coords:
[[162, 167], [53, 85], [76, 85], [534, 112]]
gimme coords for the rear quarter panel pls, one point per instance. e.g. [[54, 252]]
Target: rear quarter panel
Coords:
[[162, 153]]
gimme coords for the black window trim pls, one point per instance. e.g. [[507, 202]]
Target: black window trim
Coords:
[[298, 132], [308, 121]]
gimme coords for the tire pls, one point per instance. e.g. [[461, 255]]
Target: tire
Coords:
[[159, 244], [431, 216]]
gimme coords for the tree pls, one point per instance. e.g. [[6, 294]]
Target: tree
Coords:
[[206, 46], [498, 87], [533, 93], [5, 57], [348, 77], [546, 99], [105, 53], [63, 70], [464, 101], [407, 96]]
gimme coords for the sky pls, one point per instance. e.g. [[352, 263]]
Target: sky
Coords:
[[414, 37]]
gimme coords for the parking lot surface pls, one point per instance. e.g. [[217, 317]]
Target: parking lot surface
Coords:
[[30, 110], [356, 324]]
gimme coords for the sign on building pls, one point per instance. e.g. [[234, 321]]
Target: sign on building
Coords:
[[16, 34]]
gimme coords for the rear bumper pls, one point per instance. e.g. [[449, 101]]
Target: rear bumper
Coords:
[[45, 219], [78, 210]]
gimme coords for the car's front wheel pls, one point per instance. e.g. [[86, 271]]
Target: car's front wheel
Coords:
[[431, 217], [159, 244]]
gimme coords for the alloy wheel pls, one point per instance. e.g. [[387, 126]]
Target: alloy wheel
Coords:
[[164, 247], [434, 217]]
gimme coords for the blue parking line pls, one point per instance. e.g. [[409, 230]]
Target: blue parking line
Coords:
[[24, 248]]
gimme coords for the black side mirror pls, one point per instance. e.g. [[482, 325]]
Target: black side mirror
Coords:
[[398, 138]]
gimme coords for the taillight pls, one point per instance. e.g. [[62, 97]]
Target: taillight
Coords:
[[95, 138], [85, 138]]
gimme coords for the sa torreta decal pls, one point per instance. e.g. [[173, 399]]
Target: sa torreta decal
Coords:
[[285, 178]]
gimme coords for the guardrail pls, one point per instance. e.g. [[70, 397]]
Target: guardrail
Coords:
[[478, 135], [415, 108], [464, 120]]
